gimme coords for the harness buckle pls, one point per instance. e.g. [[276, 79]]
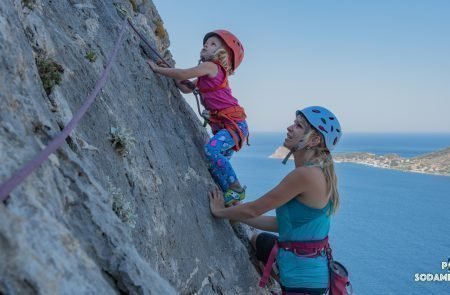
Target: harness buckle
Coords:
[[206, 115]]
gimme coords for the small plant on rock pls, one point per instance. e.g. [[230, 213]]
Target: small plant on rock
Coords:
[[134, 5], [28, 4], [121, 206], [91, 56], [122, 140], [50, 73], [160, 31]]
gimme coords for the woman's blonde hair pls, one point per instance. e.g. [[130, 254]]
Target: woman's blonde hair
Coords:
[[323, 158]]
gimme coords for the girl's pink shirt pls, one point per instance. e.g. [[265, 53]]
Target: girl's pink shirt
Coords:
[[219, 99]]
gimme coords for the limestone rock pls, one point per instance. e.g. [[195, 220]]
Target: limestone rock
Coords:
[[59, 233]]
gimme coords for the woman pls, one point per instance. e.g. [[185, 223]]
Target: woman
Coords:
[[304, 201]]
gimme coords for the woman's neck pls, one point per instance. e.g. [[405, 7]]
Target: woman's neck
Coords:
[[304, 158]]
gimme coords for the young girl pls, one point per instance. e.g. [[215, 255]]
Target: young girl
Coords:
[[304, 201], [220, 56]]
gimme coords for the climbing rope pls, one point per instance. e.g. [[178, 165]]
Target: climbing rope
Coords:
[[20, 175], [26, 170]]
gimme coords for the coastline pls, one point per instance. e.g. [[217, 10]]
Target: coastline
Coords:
[[391, 168], [436, 163]]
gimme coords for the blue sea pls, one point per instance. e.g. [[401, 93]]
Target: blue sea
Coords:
[[391, 225]]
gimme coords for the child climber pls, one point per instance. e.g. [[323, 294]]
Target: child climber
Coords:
[[220, 56]]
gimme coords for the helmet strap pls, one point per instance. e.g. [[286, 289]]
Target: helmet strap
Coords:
[[292, 150], [286, 158]]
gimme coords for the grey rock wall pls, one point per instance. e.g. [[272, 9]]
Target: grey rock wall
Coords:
[[92, 220]]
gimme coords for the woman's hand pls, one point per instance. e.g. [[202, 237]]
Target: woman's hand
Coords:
[[153, 66], [216, 202], [163, 64]]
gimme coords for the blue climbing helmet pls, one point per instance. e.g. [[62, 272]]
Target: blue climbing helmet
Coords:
[[325, 122]]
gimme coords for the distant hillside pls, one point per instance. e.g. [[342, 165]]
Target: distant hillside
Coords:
[[433, 163], [442, 155]]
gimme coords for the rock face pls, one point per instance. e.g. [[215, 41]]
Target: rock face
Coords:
[[97, 218]]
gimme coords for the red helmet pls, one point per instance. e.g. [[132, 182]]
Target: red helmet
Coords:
[[232, 42]]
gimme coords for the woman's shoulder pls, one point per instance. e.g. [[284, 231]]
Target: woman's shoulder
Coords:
[[308, 171], [309, 176], [314, 182], [300, 178]]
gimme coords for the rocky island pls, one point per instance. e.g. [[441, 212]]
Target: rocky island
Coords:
[[432, 163]]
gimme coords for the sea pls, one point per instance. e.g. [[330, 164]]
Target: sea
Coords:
[[392, 230]]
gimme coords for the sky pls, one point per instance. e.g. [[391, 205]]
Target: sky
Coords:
[[381, 66]]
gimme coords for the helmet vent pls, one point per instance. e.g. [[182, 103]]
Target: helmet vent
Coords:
[[325, 124], [323, 129]]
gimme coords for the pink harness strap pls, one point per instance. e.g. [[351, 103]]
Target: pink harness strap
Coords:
[[308, 249], [268, 266]]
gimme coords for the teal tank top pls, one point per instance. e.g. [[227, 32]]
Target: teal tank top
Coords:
[[299, 222]]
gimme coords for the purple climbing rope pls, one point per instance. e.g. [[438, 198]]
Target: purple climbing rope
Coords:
[[19, 176]]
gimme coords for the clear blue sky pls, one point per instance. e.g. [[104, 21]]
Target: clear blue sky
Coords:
[[381, 66]]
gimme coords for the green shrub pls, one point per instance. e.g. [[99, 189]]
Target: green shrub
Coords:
[[50, 73], [122, 140], [134, 5], [28, 3], [121, 206], [91, 56]]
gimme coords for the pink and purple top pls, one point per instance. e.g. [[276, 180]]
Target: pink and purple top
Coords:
[[219, 99]]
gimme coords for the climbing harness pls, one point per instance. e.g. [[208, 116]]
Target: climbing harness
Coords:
[[226, 119], [339, 283], [309, 249]]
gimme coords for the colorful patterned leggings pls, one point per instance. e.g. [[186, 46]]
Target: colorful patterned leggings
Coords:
[[219, 150]]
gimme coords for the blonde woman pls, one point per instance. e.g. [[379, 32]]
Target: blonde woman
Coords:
[[304, 201], [220, 56]]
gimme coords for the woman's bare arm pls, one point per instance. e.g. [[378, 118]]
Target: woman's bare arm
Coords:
[[266, 223], [291, 186]]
